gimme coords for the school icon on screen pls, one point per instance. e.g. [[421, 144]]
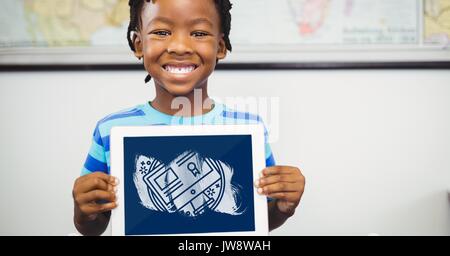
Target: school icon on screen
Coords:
[[188, 185]]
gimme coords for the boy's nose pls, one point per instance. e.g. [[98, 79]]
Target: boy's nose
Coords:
[[179, 45]]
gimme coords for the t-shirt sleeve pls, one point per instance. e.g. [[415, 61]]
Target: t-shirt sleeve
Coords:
[[96, 159], [270, 160]]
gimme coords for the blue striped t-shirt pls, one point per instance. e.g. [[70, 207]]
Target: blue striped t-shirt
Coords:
[[142, 115]]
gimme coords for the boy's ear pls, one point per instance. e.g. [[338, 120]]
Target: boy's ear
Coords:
[[222, 49], [137, 42]]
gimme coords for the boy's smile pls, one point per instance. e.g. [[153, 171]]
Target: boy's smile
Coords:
[[180, 41], [180, 68]]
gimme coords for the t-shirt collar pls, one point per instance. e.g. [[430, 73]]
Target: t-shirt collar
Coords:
[[158, 117]]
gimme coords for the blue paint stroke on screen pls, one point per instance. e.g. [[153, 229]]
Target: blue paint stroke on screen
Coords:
[[188, 184]]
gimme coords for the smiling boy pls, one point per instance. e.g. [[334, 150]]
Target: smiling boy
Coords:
[[180, 42]]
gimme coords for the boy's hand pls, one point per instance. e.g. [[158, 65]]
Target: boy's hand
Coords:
[[89, 189], [284, 183]]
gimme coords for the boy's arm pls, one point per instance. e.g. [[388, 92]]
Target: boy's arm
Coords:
[[284, 184], [89, 227], [94, 196], [276, 217]]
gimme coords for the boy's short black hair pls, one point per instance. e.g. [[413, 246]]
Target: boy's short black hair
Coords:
[[223, 7]]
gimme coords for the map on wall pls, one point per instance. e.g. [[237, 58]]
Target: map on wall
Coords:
[[327, 22], [437, 22], [50, 23], [79, 29]]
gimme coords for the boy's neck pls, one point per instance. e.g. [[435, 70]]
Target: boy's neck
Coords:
[[193, 104]]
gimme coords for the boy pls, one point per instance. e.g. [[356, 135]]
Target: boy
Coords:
[[180, 42]]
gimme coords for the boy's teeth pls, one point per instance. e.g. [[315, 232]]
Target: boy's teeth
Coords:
[[179, 70]]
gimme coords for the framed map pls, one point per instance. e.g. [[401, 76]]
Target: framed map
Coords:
[[263, 31]]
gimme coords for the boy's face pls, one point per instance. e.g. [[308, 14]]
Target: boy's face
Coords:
[[180, 41]]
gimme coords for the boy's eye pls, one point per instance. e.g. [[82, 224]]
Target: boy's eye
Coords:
[[161, 33], [199, 34]]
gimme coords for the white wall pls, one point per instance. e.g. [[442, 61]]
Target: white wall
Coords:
[[374, 145]]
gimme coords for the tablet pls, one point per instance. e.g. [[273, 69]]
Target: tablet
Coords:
[[188, 180]]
